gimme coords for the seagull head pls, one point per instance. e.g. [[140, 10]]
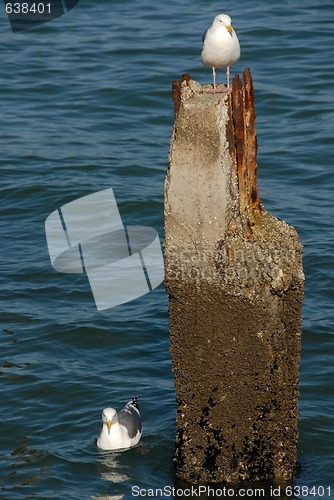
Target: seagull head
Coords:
[[223, 20], [109, 417]]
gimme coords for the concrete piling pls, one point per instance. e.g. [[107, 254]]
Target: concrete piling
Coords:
[[235, 282]]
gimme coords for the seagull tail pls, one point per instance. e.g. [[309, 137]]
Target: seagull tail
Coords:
[[134, 402]]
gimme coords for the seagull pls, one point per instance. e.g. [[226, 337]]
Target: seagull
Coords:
[[120, 429], [221, 48]]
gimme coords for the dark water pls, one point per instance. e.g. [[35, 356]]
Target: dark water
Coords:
[[85, 105]]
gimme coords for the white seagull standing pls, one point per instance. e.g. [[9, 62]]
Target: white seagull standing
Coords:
[[120, 429], [221, 48]]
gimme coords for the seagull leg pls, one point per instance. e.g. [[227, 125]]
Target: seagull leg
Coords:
[[228, 88], [214, 90]]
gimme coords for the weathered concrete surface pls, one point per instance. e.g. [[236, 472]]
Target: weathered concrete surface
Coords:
[[235, 282]]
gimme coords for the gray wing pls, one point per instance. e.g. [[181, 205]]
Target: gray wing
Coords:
[[130, 418]]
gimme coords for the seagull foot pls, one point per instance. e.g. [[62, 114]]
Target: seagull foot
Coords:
[[214, 91]]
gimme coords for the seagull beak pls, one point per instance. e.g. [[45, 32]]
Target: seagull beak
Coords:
[[230, 29], [109, 425]]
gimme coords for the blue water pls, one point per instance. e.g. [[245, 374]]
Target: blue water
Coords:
[[85, 105]]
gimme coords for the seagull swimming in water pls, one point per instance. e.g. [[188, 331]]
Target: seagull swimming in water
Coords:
[[221, 48], [120, 429]]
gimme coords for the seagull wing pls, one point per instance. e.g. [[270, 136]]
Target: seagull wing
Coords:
[[129, 417], [204, 35]]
